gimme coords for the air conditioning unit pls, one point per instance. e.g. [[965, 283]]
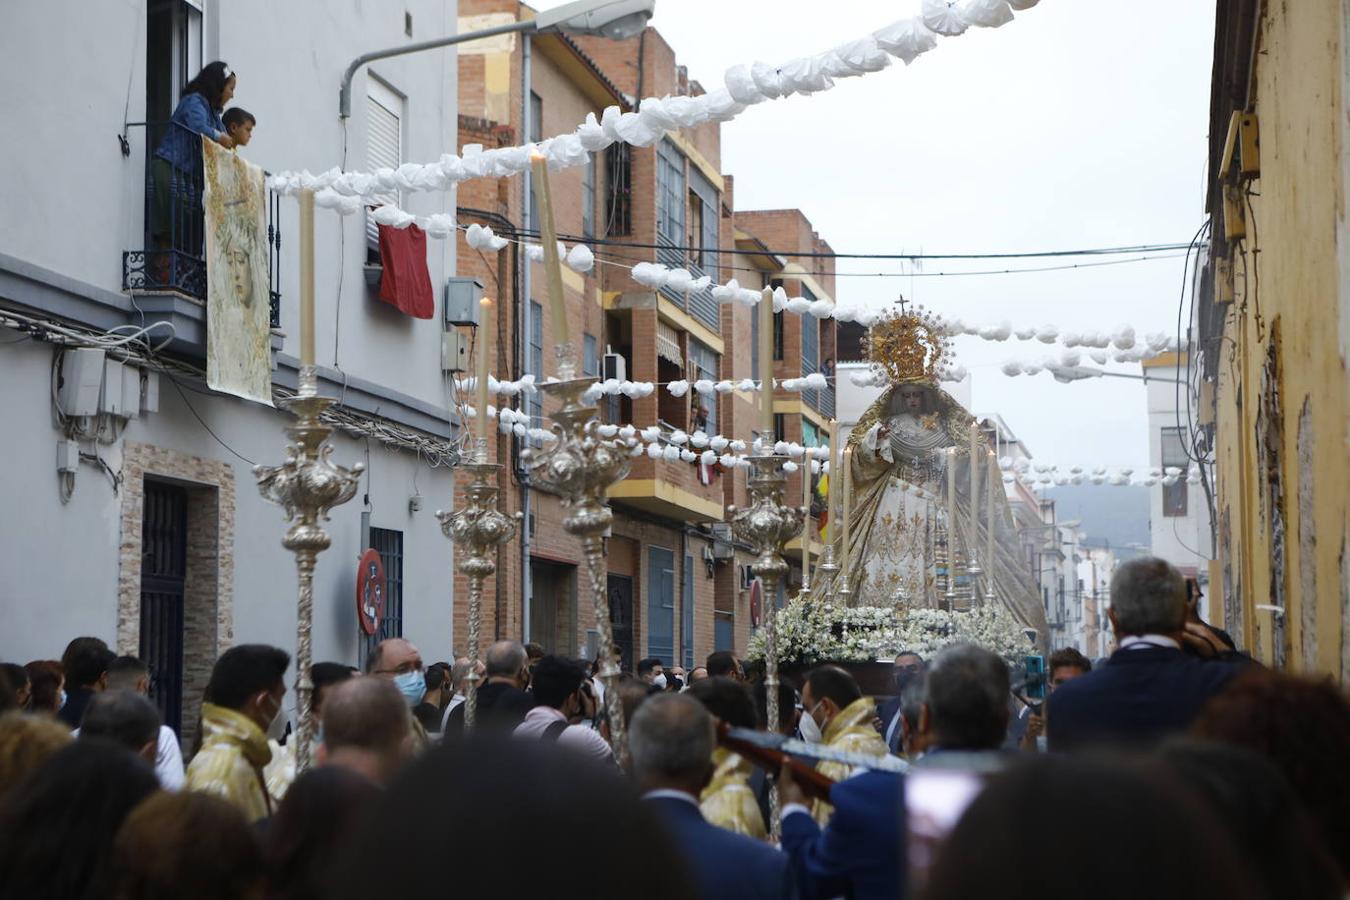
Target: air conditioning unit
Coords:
[[615, 367], [722, 547], [461, 301]]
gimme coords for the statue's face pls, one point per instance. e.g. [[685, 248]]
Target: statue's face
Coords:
[[911, 399]]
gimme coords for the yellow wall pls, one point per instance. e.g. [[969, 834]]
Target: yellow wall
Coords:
[[1289, 293]]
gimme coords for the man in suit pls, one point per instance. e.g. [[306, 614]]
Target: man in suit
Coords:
[[671, 744], [858, 854], [1149, 688], [502, 701], [909, 667]]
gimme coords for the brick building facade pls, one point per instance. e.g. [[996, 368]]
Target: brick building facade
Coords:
[[676, 581]]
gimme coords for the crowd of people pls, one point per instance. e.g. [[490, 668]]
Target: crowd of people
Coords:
[[1176, 768]]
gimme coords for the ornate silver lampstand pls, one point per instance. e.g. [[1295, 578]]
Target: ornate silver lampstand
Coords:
[[307, 486], [766, 525], [478, 527], [580, 466]]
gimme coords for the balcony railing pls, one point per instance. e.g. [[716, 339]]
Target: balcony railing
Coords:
[[819, 399], [172, 257], [699, 304]]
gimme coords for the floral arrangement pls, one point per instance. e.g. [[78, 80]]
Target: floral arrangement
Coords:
[[813, 632]]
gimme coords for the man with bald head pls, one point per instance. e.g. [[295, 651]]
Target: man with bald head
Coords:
[[502, 701], [671, 743], [366, 728]]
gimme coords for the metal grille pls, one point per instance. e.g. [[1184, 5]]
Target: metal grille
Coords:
[[618, 190], [173, 257], [163, 583], [389, 544]]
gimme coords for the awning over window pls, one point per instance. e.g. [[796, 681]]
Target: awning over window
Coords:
[[668, 344]]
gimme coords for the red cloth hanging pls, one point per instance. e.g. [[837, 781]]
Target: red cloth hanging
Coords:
[[406, 282]]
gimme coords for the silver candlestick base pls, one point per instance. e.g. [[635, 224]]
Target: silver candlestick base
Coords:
[[478, 528], [580, 466], [307, 486], [767, 525]]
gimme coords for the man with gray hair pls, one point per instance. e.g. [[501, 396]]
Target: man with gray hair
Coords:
[[366, 728], [965, 701], [1149, 688], [502, 701], [671, 743]]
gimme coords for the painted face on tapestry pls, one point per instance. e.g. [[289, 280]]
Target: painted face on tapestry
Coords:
[[241, 273]]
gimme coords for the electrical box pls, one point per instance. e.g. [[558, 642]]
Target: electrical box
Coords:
[[110, 399], [150, 392], [81, 379], [67, 457], [454, 352], [131, 391], [461, 301], [616, 366]]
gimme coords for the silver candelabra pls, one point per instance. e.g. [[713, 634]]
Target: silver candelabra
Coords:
[[478, 528], [767, 525], [580, 466], [307, 485]]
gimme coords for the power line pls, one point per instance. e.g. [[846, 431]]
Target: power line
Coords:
[[1031, 254], [606, 258]]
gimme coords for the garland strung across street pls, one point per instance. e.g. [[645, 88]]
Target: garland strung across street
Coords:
[[744, 86]]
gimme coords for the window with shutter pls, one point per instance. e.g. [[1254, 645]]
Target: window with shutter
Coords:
[[384, 144]]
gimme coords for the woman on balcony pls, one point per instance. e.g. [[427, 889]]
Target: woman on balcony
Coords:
[[176, 172]]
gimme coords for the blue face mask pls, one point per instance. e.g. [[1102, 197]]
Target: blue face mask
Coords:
[[413, 685]]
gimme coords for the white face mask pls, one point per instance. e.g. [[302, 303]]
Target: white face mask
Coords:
[[809, 729], [660, 681], [276, 729]]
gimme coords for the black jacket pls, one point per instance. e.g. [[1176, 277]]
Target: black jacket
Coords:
[[1139, 697], [501, 707], [77, 700]]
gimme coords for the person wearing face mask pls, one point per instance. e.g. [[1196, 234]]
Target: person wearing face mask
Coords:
[[399, 661], [835, 713], [246, 694], [652, 672]]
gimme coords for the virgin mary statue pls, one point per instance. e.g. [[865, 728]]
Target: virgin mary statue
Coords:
[[917, 537]]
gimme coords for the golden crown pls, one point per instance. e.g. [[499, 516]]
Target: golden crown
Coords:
[[907, 346]]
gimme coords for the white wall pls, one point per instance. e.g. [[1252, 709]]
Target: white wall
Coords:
[[63, 559], [81, 204], [1181, 540], [74, 72]]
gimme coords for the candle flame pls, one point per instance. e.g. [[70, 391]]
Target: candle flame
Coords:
[[485, 302], [538, 157]]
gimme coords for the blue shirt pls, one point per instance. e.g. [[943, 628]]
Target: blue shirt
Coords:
[[180, 146]]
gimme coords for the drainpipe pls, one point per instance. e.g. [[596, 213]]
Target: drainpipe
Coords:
[[523, 316]]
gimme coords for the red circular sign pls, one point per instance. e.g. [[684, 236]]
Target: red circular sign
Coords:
[[370, 591], [756, 600]]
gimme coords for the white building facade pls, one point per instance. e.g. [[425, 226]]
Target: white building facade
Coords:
[[1179, 519], [156, 538]]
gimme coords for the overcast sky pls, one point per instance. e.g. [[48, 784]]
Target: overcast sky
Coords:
[[1079, 124]]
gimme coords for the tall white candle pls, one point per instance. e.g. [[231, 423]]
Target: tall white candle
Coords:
[[481, 373], [832, 520], [766, 367], [846, 460], [806, 527], [995, 484], [306, 278], [548, 235], [951, 519], [974, 486]]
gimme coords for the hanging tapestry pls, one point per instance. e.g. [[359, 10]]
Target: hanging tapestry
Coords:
[[238, 293]]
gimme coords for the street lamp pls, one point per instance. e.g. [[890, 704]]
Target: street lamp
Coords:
[[613, 19], [1066, 374]]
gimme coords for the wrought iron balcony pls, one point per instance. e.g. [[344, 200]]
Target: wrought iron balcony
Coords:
[[172, 257]]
